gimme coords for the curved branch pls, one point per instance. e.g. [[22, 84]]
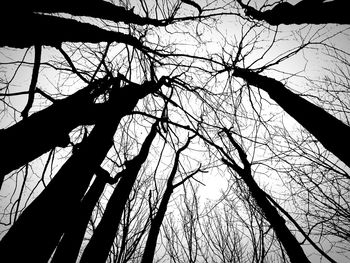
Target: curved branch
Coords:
[[34, 80]]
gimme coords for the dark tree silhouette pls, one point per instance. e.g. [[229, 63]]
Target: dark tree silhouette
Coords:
[[49, 128], [310, 116], [33, 82], [282, 188], [21, 37], [58, 30], [156, 222], [98, 248], [92, 8], [306, 11], [33, 233], [69, 246], [289, 242]]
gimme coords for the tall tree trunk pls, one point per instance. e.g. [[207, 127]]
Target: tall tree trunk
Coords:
[[46, 129], [39, 228], [328, 130], [69, 246], [277, 222], [288, 240], [98, 248], [151, 242]]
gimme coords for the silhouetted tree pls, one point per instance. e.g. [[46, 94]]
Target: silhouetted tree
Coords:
[[98, 248], [310, 116], [311, 12], [83, 177], [52, 208], [35, 14], [69, 245], [49, 128], [290, 243], [156, 222]]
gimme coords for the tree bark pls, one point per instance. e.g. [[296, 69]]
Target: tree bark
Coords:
[[328, 130]]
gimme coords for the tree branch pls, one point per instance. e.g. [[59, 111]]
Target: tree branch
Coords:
[[32, 87]]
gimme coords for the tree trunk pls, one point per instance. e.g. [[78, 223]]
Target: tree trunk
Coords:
[[69, 246], [151, 242], [289, 242], [98, 248], [39, 228], [328, 130], [46, 129]]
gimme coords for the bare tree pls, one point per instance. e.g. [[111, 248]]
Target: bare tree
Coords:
[[53, 208], [69, 245], [311, 12], [98, 248], [310, 116], [156, 222], [49, 128], [290, 243], [81, 182]]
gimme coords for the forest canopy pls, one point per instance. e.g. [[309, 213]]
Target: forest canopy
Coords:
[[175, 131]]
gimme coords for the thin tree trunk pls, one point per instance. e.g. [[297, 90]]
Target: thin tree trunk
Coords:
[[277, 222], [39, 228], [329, 131], [288, 240], [98, 248], [151, 242]]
